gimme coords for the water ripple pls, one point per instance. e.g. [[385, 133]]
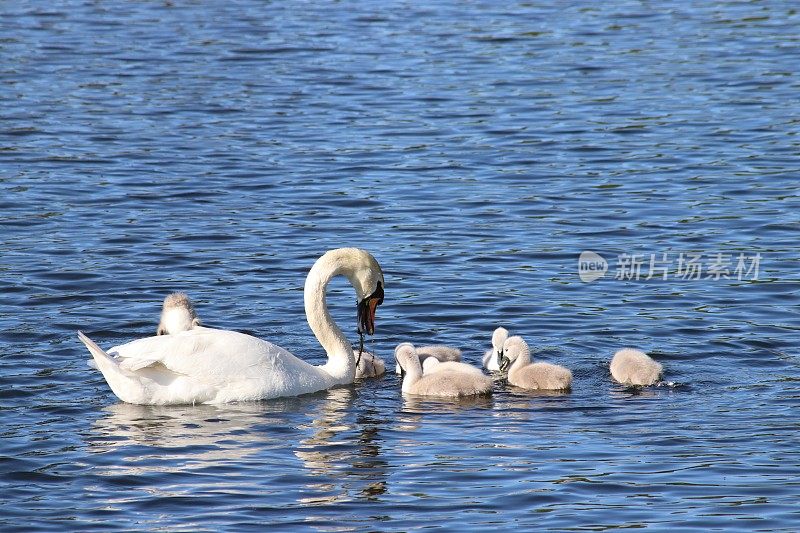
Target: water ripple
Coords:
[[476, 149]]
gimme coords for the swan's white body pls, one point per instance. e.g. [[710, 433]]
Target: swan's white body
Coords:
[[439, 352], [491, 359], [634, 367], [534, 376], [177, 314], [205, 365], [450, 382]]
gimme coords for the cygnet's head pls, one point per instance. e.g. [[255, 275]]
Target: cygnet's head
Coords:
[[513, 348], [429, 363], [177, 314], [498, 338], [178, 300], [406, 356]]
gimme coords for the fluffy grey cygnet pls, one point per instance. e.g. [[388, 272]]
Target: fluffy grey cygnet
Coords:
[[634, 367], [535, 376], [368, 365], [440, 352], [450, 383], [491, 359], [177, 314], [431, 365]]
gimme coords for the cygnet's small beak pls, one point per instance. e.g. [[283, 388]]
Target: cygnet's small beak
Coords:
[[504, 361], [366, 311]]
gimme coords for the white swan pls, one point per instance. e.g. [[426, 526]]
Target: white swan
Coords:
[[177, 314], [445, 383], [491, 359], [524, 374], [205, 365], [440, 352], [634, 367]]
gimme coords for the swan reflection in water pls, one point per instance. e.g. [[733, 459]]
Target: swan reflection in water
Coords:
[[422, 404], [241, 448], [342, 449], [417, 408], [184, 438]]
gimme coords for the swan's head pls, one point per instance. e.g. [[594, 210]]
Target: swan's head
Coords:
[[406, 356], [177, 314], [498, 339], [367, 278], [513, 348], [361, 270]]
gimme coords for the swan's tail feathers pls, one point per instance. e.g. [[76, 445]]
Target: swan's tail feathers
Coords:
[[101, 358], [120, 381], [123, 366]]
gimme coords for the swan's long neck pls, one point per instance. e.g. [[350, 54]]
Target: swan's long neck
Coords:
[[341, 365]]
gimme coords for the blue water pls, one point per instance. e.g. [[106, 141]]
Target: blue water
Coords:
[[476, 149]]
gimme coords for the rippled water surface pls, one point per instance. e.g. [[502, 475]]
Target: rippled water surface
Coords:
[[476, 149]]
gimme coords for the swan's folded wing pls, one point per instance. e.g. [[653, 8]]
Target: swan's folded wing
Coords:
[[134, 364], [209, 355], [151, 352]]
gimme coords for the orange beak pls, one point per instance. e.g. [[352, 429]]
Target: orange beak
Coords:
[[366, 311]]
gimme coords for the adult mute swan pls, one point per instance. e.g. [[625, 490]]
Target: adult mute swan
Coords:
[[634, 367], [491, 359], [536, 376], [445, 383], [205, 365], [177, 314]]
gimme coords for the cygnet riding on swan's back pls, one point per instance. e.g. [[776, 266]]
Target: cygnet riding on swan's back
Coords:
[[177, 315], [440, 352], [634, 367], [206, 365], [524, 374], [446, 383], [491, 359]]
